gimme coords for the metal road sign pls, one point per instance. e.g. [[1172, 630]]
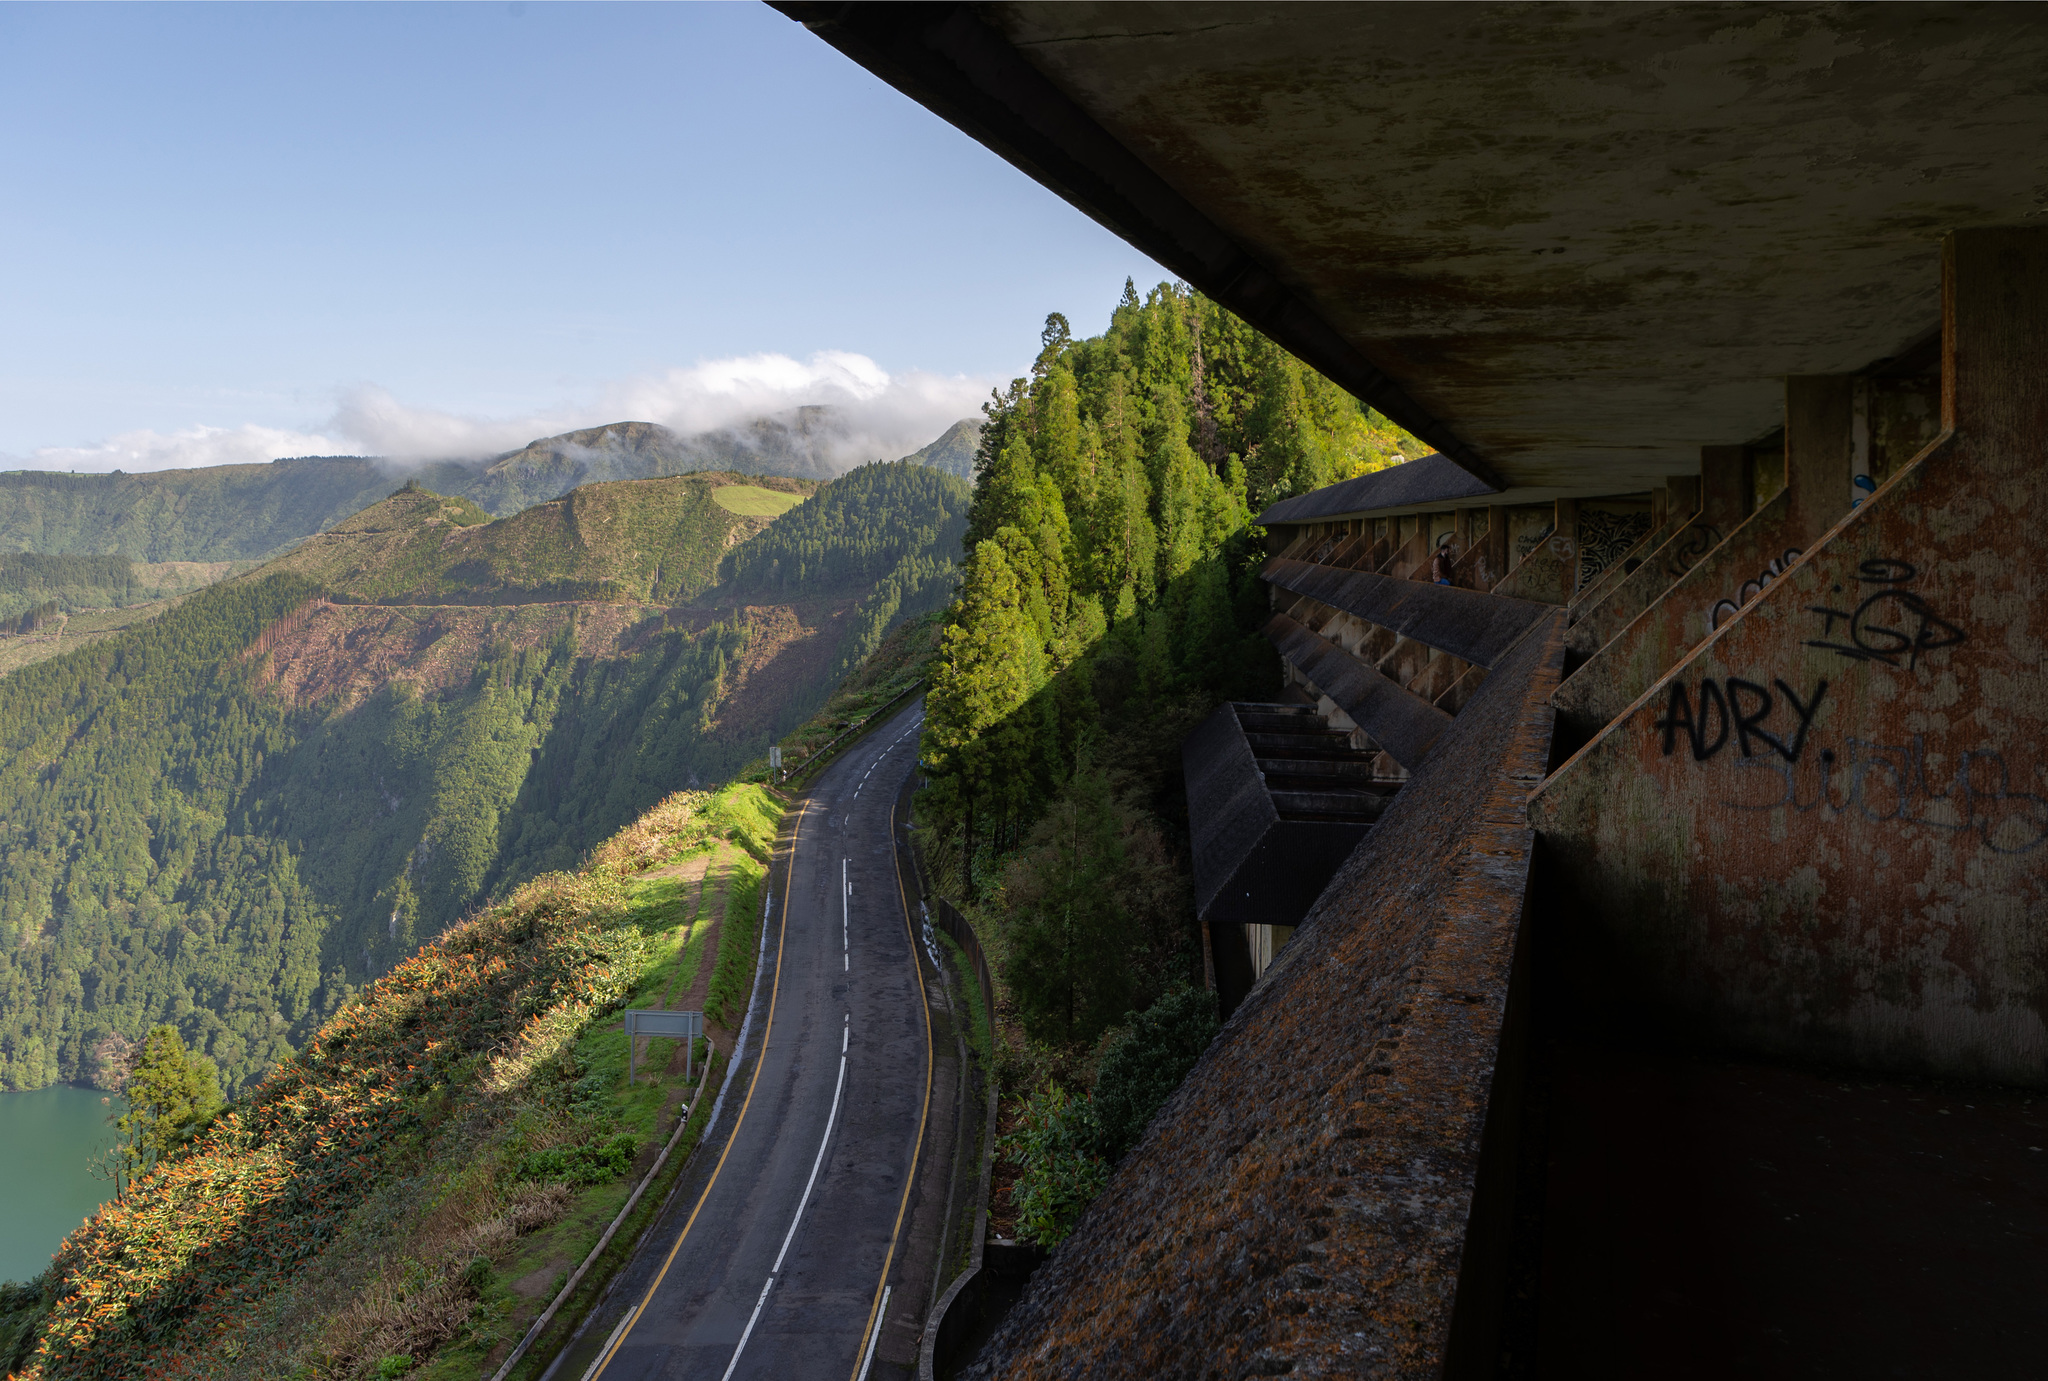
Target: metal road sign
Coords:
[[682, 1026]]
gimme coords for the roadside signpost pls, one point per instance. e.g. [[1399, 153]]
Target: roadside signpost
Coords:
[[682, 1026]]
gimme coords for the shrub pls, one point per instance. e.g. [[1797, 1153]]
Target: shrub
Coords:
[[1054, 1147], [1145, 1064], [594, 1162]]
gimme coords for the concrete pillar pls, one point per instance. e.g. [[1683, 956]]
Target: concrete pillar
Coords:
[[1564, 542], [1724, 486], [1819, 451]]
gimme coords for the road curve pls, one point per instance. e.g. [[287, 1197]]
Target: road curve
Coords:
[[771, 1258]]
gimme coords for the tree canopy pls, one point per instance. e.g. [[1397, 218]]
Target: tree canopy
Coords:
[[1108, 600]]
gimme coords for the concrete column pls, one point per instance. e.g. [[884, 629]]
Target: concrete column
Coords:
[[1994, 338], [1819, 450], [1724, 486], [1682, 493], [1564, 542], [1497, 540]]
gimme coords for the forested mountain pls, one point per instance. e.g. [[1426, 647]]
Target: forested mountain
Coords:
[[229, 818], [1109, 600], [904, 563], [253, 512], [953, 452], [653, 541], [803, 442], [35, 588], [219, 513]]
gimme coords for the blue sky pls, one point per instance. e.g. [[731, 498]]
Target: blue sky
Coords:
[[237, 231]]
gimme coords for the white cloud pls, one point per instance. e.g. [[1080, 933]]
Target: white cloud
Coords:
[[881, 416], [190, 449]]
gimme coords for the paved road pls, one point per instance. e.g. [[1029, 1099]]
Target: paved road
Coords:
[[771, 1259]]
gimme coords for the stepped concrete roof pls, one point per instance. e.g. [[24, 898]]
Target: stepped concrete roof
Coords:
[[1430, 479], [1566, 245]]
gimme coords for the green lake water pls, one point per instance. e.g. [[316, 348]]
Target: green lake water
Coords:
[[48, 1140]]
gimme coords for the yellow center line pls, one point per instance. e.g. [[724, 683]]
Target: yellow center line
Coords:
[[911, 1179], [761, 1059]]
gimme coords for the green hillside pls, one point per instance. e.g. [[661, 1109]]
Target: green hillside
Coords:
[[484, 1077], [1108, 600], [232, 816], [954, 451], [906, 560], [654, 541], [221, 513]]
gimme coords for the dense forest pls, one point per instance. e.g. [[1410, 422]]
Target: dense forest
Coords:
[[183, 843], [36, 587], [1109, 594], [892, 527], [1109, 600]]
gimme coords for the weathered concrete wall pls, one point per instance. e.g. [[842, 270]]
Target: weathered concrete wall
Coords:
[[1300, 1205], [1549, 573], [1809, 493], [1824, 835]]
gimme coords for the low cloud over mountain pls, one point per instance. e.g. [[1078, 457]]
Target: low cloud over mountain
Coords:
[[873, 415]]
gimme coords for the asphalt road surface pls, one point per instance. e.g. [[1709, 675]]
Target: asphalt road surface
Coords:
[[771, 1258]]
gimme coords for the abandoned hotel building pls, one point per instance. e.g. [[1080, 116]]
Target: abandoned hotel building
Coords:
[[1634, 904]]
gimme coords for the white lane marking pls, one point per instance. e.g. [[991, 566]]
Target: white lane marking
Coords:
[[824, 1143], [875, 1336], [752, 1319]]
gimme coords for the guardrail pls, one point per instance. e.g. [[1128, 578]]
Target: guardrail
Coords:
[[851, 732], [956, 1313]]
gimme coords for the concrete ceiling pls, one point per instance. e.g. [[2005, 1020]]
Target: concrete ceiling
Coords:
[[1567, 244]]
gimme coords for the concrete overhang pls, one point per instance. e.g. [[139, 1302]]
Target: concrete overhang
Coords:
[[1566, 245]]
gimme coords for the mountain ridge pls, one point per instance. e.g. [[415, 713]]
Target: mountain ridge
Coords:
[[255, 512]]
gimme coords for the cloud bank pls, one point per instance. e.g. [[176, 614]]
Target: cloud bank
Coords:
[[882, 416], [191, 449]]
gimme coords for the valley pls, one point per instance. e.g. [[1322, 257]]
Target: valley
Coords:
[[232, 816]]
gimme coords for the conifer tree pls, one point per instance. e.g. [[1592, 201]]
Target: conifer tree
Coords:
[[1109, 577], [171, 1094]]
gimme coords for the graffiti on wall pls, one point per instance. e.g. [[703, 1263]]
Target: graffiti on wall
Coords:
[[1604, 538], [1738, 711], [1891, 624], [1684, 551], [1729, 608], [1784, 766], [1889, 784]]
